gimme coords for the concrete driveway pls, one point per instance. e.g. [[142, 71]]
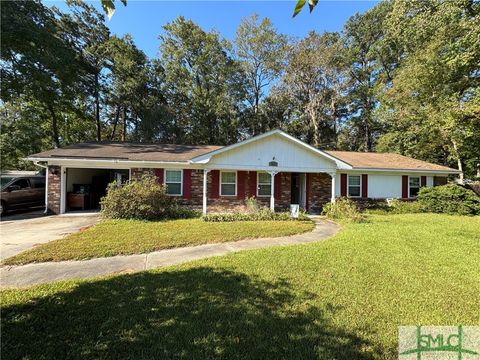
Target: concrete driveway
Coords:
[[21, 232]]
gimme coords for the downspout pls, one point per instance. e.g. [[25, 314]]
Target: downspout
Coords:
[[46, 184]]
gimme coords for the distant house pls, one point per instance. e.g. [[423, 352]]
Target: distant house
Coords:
[[276, 168]]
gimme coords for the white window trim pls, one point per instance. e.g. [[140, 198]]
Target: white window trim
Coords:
[[181, 180], [419, 185], [348, 186], [258, 184], [220, 182]]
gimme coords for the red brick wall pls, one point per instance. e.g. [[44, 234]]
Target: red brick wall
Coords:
[[54, 174], [137, 173], [319, 193]]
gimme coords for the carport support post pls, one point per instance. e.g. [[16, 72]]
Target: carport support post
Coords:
[[272, 190], [204, 208], [332, 199], [63, 189]]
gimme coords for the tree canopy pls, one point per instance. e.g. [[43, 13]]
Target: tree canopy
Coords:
[[402, 77]]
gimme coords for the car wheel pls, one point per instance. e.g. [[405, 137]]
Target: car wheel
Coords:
[[3, 208]]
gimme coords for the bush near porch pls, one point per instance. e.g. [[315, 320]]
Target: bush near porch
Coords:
[[260, 215], [253, 212], [342, 298], [446, 199], [142, 199]]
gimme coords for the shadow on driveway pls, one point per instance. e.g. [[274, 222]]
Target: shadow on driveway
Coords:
[[15, 215]]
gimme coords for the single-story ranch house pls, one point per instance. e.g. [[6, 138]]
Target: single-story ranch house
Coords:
[[276, 168]]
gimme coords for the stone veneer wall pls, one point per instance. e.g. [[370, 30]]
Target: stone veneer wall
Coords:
[[54, 175]]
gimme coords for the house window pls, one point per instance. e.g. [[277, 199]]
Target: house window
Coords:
[[173, 181], [264, 181], [413, 186], [228, 183], [354, 185]]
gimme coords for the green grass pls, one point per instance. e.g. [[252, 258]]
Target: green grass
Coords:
[[125, 237], [342, 298]]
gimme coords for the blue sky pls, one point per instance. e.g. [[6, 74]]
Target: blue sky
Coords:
[[144, 19]]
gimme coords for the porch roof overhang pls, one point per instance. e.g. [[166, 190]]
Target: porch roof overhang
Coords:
[[122, 164], [111, 163]]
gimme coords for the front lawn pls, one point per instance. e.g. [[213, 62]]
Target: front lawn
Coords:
[[124, 237], [342, 298]]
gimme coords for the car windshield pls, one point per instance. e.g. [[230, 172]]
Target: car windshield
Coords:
[[5, 180]]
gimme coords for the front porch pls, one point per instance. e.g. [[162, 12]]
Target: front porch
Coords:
[[276, 190], [227, 190]]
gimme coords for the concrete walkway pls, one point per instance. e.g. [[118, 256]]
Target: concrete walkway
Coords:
[[30, 274]]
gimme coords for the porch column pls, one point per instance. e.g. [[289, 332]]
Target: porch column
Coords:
[[332, 199], [272, 190], [204, 208]]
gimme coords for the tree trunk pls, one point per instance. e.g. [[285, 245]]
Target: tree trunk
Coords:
[[314, 121], [333, 107], [124, 132], [255, 111], [115, 122], [136, 127], [368, 130], [459, 160], [97, 108], [55, 135], [368, 143]]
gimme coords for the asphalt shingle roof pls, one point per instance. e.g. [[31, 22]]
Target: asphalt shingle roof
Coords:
[[184, 153]]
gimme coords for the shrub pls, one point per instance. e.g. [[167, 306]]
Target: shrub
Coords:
[[177, 211], [251, 204], [449, 199], [374, 204], [143, 199], [260, 215], [406, 207], [343, 209]]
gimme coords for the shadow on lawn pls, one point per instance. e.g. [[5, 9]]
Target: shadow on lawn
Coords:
[[198, 313]]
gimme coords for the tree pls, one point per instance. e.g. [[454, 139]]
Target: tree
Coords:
[[261, 52], [85, 29], [128, 79], [202, 84], [38, 66], [366, 59], [314, 79], [432, 108]]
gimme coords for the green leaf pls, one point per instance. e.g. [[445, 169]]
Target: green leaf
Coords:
[[109, 7], [299, 7], [312, 4]]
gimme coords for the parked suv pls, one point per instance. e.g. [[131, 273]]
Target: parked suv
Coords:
[[21, 192]]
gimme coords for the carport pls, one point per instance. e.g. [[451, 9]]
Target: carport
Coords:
[[84, 187]]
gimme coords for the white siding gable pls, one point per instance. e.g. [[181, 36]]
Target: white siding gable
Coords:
[[256, 155]]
